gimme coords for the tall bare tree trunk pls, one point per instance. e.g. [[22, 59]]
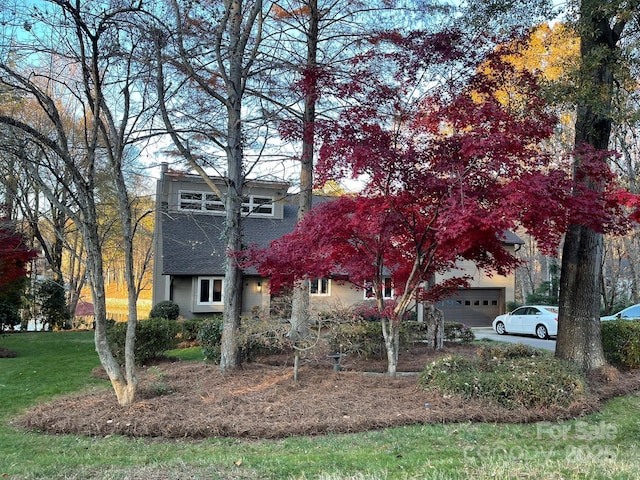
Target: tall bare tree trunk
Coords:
[[130, 279], [125, 390], [238, 39], [232, 290], [300, 301]]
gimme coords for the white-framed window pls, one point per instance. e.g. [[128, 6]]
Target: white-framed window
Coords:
[[320, 287], [199, 201], [208, 202], [209, 291], [387, 289], [257, 205]]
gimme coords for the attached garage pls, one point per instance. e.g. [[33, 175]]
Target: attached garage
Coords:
[[475, 307]]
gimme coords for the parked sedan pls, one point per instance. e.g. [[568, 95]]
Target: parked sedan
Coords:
[[538, 320], [629, 313]]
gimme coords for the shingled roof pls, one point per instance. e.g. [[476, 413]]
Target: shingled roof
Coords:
[[193, 244]]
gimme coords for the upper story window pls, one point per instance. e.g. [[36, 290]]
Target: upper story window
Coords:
[[257, 205], [207, 202], [199, 201]]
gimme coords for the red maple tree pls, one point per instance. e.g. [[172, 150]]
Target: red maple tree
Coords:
[[445, 180], [15, 256]]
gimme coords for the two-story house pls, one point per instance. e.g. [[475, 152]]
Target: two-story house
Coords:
[[189, 251]]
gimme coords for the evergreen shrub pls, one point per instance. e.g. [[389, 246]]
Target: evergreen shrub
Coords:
[[512, 378], [264, 335], [165, 309], [362, 338], [153, 338], [458, 332], [209, 336], [190, 329], [621, 343]]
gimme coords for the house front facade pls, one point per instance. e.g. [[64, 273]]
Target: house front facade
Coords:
[[189, 253]]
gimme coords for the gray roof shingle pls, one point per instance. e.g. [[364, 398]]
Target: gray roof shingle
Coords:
[[193, 244]]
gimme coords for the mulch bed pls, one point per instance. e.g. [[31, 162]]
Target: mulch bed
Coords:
[[262, 400]]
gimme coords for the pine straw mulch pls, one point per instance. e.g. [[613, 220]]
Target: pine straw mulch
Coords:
[[261, 400]]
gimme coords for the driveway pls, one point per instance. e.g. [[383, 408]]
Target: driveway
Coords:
[[489, 333]]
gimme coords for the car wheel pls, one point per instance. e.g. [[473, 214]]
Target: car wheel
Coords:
[[500, 330], [541, 332]]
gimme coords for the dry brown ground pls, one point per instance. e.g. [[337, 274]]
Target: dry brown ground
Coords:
[[194, 400]]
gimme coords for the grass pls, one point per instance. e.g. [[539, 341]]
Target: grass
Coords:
[[189, 354], [600, 446]]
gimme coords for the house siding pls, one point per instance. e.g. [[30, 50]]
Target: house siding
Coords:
[[482, 280], [341, 295], [189, 244]]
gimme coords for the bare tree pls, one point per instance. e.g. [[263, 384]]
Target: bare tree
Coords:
[[317, 41], [209, 51], [77, 59]]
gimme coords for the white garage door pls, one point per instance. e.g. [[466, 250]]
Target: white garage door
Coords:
[[475, 307]]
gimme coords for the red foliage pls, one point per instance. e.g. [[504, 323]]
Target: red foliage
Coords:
[[446, 178], [14, 255]]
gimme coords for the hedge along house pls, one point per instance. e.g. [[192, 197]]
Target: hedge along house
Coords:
[[189, 253]]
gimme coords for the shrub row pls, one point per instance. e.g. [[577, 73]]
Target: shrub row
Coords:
[[364, 338], [621, 343], [153, 338], [513, 377], [260, 336]]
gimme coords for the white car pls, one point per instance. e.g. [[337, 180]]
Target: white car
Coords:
[[629, 313], [538, 320]]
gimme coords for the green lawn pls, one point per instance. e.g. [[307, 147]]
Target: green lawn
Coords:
[[600, 446]]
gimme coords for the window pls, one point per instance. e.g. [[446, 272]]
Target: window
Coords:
[[257, 205], [207, 202], [209, 290], [199, 201], [319, 286], [387, 289]]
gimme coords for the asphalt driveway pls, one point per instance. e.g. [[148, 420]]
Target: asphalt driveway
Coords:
[[489, 333]]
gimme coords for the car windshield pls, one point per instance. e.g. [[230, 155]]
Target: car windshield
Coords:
[[632, 311], [552, 309]]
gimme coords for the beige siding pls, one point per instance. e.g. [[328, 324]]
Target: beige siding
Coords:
[[342, 294], [255, 294], [174, 185], [481, 280]]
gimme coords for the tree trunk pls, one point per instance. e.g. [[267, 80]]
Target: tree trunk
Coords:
[[232, 291], [128, 390], [579, 338], [124, 389], [300, 301], [579, 334], [435, 327], [391, 335]]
